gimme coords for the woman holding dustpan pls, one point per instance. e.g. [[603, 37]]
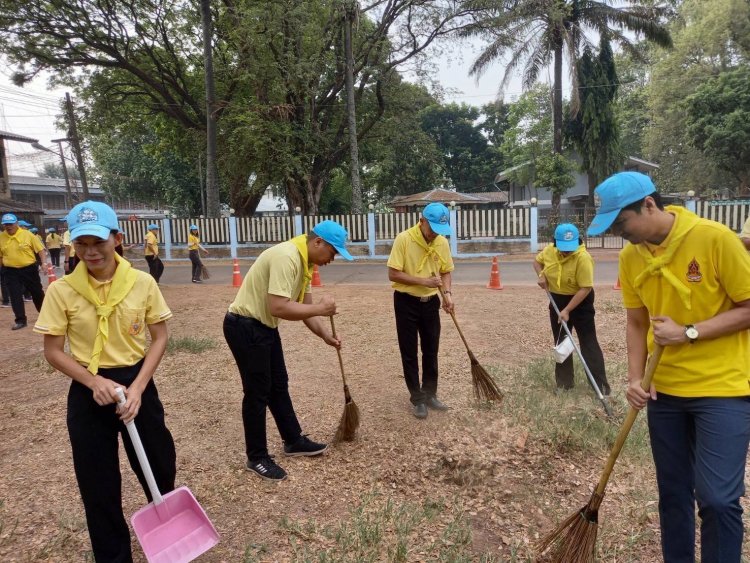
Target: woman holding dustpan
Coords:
[[104, 307], [566, 270]]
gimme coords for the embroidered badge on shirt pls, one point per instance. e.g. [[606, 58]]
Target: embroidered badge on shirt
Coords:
[[694, 271], [135, 327]]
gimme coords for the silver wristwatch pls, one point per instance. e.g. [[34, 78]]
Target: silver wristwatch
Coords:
[[691, 332]]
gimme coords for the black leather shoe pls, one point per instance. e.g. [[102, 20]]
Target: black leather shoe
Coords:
[[437, 405], [420, 410], [18, 325]]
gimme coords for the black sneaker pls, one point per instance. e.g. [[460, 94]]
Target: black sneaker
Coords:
[[304, 446], [435, 404], [18, 326], [266, 468], [420, 410]]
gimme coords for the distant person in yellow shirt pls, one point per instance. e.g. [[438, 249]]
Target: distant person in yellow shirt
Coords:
[[686, 286], [19, 250], [54, 245], [194, 246], [104, 308], [745, 234], [566, 269], [69, 253], [278, 287], [151, 252], [419, 263]]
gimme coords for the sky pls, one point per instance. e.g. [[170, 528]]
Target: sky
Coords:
[[31, 111]]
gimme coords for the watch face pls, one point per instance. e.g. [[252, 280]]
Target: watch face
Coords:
[[691, 333]]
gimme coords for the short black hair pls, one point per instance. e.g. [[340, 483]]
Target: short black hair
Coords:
[[636, 205]]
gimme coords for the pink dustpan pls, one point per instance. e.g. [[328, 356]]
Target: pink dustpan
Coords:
[[173, 528]]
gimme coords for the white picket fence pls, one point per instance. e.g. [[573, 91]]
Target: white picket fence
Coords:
[[731, 213]]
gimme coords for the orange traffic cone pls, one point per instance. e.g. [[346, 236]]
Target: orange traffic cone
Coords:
[[495, 282], [316, 277], [236, 278], [51, 277], [617, 284]]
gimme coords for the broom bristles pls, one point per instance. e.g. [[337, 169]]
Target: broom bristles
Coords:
[[485, 388], [348, 424], [204, 273], [574, 540]]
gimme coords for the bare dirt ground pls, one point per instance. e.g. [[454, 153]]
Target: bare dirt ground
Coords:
[[512, 485]]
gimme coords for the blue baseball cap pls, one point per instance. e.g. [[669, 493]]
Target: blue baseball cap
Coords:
[[33, 230], [615, 193], [9, 219], [193, 227], [566, 237], [335, 235], [51, 230], [153, 226], [92, 218], [24, 224], [438, 216]]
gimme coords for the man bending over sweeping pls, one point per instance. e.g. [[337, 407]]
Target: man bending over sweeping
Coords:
[[419, 263], [686, 286], [104, 307], [278, 287]]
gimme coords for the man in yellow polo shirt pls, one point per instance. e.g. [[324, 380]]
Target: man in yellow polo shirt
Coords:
[[54, 244], [686, 286], [19, 249], [104, 308], [566, 269], [278, 287], [151, 252], [419, 263]]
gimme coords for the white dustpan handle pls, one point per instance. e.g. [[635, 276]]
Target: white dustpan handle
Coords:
[[140, 452]]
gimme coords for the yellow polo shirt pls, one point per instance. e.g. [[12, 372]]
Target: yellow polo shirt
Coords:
[[66, 312], [566, 274], [54, 240], [712, 262], [278, 271], [66, 242], [406, 256], [151, 242], [193, 242], [746, 229], [20, 249]]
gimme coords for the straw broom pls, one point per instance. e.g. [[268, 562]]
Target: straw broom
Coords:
[[204, 273], [485, 388], [349, 422], [574, 541]]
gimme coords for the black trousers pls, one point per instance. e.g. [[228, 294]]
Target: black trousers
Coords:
[[21, 280], [265, 382], [582, 321], [195, 260], [54, 255], [417, 318], [155, 267], [93, 432], [4, 286]]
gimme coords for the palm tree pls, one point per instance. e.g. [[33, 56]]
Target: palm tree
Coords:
[[537, 32]]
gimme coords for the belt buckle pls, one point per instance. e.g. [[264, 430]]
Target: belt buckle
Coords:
[[425, 298]]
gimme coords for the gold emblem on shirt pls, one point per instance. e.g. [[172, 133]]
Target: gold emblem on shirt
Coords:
[[135, 327], [694, 271]]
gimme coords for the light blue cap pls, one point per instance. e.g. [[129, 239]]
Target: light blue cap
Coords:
[[92, 218], [566, 237], [52, 230], [153, 226], [335, 235], [616, 192], [438, 216], [193, 227], [9, 219], [33, 230], [24, 224]]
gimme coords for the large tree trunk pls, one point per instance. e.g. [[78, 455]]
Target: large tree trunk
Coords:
[[557, 106], [212, 176], [350, 107]]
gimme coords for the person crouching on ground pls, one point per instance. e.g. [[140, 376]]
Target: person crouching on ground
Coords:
[[104, 308], [278, 287], [566, 270], [419, 263]]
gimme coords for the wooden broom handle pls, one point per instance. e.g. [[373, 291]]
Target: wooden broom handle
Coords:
[[653, 361], [341, 361], [452, 314]]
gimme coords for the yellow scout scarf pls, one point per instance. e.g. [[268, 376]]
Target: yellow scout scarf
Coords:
[[416, 235], [657, 265], [560, 260], [122, 283], [301, 243]]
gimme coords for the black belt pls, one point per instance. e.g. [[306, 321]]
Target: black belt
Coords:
[[423, 299]]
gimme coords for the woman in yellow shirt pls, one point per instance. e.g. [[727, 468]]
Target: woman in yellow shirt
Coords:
[[54, 244], [194, 248], [566, 269]]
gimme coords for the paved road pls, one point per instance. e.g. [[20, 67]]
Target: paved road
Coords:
[[513, 272]]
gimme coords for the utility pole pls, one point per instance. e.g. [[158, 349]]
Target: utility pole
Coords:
[[212, 176], [69, 197], [76, 145]]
